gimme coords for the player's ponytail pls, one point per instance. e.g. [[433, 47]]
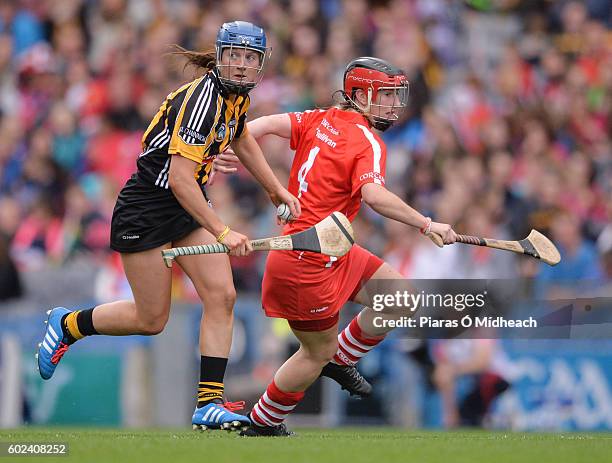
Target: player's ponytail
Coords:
[[204, 60]]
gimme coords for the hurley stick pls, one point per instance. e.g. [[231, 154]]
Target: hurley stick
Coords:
[[535, 245], [332, 236]]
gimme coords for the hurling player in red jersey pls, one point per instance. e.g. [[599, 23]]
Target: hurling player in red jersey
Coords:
[[339, 161]]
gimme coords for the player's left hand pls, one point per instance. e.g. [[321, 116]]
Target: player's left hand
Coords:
[[283, 196], [226, 163], [445, 231]]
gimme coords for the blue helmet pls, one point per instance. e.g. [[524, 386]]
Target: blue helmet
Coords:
[[240, 35]]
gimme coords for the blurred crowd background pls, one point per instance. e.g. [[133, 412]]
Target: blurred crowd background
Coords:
[[509, 127]]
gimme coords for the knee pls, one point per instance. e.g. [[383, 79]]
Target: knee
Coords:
[[330, 351], [150, 326], [228, 298], [220, 301], [323, 354]]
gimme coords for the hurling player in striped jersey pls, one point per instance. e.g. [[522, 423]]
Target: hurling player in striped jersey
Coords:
[[164, 204]]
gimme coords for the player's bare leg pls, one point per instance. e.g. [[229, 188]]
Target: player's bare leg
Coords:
[[147, 314], [291, 380], [360, 337], [303, 368], [151, 285], [212, 277]]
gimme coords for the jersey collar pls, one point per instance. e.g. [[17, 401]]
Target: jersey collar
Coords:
[[352, 116], [220, 87]]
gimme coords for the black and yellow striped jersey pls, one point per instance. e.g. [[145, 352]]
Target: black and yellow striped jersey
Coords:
[[197, 121]]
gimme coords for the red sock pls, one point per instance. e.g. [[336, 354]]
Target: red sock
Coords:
[[353, 344], [274, 406]]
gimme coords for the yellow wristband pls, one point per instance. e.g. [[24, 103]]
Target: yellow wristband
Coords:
[[223, 234]]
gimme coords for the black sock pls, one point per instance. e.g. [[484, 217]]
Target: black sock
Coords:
[[85, 322], [212, 371], [81, 325]]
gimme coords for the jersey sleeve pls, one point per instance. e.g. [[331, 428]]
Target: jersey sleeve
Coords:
[[193, 128], [241, 127], [370, 162], [299, 125]]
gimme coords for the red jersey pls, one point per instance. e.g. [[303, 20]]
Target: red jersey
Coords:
[[335, 155]]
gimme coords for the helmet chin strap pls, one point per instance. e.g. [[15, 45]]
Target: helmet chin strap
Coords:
[[380, 123]]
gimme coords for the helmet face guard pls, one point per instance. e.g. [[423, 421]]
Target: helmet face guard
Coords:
[[238, 61], [391, 101], [385, 87], [237, 45]]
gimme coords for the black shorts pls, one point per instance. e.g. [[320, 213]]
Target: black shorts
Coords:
[[147, 216]]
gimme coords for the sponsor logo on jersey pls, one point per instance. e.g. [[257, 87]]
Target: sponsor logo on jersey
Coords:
[[372, 175], [232, 128], [325, 138], [329, 127], [298, 116], [220, 133], [186, 132], [130, 237]]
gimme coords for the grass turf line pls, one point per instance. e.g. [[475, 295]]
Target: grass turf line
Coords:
[[346, 445]]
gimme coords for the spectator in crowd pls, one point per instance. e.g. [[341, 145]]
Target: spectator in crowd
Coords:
[[480, 359], [10, 281]]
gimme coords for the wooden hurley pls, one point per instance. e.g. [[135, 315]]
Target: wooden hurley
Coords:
[[332, 236], [535, 245]]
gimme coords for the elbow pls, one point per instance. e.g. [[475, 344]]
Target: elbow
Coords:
[[369, 195], [173, 183], [177, 183]]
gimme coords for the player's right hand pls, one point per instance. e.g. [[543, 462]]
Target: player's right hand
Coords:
[[238, 244], [445, 231]]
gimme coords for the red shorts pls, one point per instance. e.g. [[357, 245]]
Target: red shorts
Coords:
[[306, 287]]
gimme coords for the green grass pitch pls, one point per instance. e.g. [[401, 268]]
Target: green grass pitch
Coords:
[[344, 445]]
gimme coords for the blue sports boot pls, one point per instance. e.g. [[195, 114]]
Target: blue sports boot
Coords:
[[54, 345], [220, 416]]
